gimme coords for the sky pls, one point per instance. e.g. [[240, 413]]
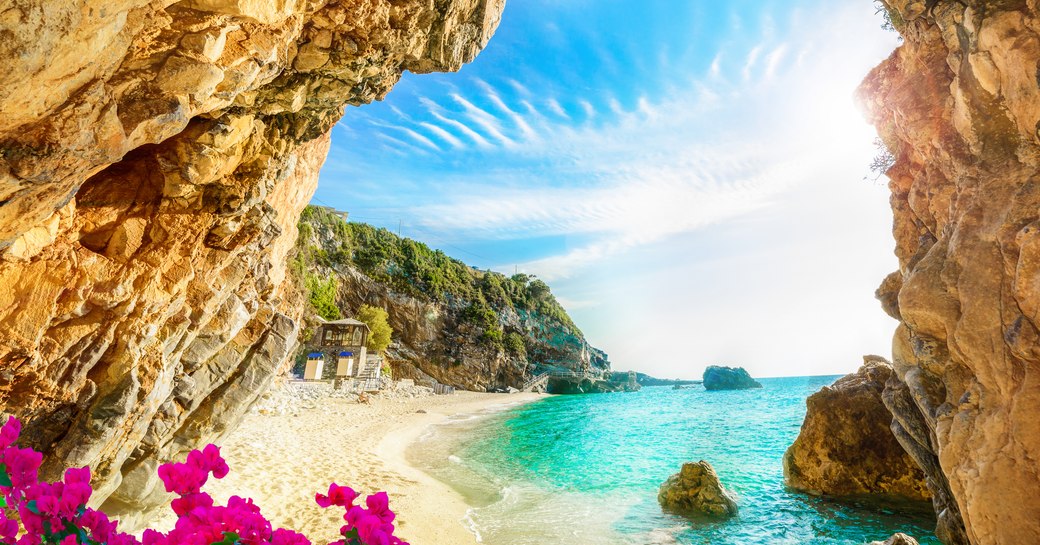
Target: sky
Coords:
[[690, 177]]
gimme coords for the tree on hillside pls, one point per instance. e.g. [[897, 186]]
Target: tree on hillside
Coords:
[[376, 318]]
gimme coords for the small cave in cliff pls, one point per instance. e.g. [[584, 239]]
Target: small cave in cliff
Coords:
[[114, 207]]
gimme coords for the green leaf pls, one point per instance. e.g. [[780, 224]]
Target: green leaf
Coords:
[[230, 538], [5, 479], [352, 537], [3, 502], [32, 507]]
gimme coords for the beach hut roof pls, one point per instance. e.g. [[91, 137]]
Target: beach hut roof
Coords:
[[345, 353], [348, 321], [314, 355]]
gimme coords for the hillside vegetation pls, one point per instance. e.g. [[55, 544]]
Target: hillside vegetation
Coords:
[[452, 323], [413, 268]]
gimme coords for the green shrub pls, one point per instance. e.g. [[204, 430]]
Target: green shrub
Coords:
[[514, 343], [376, 319], [322, 295], [415, 269]]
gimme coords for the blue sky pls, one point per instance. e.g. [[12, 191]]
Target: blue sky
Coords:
[[688, 176]]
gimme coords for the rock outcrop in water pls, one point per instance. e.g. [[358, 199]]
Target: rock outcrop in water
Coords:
[[897, 539], [728, 378], [846, 446], [154, 159], [562, 385], [696, 490], [958, 106]]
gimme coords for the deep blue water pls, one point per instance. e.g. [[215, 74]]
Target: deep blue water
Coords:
[[586, 469]]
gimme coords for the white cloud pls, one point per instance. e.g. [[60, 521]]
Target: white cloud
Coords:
[[750, 61], [489, 123], [556, 108], [716, 66], [437, 112], [451, 139], [586, 106], [773, 60]]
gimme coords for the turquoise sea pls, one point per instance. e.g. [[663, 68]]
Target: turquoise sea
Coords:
[[584, 470]]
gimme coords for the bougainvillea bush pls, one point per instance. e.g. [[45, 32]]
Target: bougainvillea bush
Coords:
[[39, 513]]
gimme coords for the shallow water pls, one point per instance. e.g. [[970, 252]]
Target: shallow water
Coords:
[[582, 470]]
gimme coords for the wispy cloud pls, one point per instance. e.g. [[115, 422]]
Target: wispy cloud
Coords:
[[438, 113], [489, 123], [751, 60], [773, 60], [451, 139], [556, 108], [663, 167]]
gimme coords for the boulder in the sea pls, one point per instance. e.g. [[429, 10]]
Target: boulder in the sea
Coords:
[[696, 490], [897, 539], [728, 378], [846, 446]]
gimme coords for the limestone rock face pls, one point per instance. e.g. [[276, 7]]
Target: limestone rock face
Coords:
[[432, 341], [728, 378], [154, 159], [846, 446], [958, 106], [696, 490]]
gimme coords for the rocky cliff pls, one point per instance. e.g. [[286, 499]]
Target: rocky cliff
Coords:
[[154, 158], [958, 106], [846, 446], [452, 324]]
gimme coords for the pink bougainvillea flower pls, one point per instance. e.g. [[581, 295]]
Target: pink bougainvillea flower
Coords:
[[56, 513], [288, 537], [8, 529], [79, 475], [208, 460], [341, 496], [9, 432], [22, 465], [379, 505], [189, 502]]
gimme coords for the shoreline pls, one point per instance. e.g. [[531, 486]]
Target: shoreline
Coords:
[[281, 461]]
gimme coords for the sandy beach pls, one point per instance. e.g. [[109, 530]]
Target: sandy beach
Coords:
[[281, 461]]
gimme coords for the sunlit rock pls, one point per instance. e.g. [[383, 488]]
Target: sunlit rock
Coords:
[[846, 446], [958, 105], [696, 490]]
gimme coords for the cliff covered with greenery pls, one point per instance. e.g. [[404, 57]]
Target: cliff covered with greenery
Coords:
[[454, 324]]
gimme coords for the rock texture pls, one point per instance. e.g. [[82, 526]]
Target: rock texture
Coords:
[[958, 106], [846, 446], [154, 159], [576, 385], [696, 490], [728, 378], [432, 341], [897, 539]]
